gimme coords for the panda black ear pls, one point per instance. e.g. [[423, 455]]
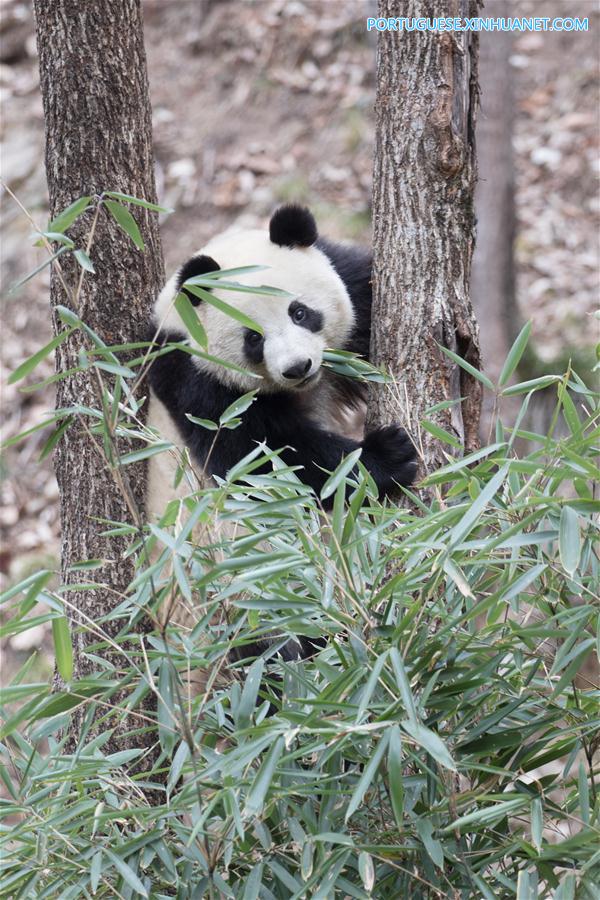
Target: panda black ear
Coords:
[[197, 265], [293, 226]]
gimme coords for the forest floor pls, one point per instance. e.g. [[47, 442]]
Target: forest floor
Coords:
[[259, 103]]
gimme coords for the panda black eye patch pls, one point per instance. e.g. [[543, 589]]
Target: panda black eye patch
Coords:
[[253, 346], [305, 317]]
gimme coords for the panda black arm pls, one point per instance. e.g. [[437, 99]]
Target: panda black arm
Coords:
[[387, 453], [182, 388], [353, 265]]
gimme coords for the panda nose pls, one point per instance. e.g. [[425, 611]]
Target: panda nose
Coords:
[[298, 370]]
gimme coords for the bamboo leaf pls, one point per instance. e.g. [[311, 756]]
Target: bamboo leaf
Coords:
[[203, 423], [72, 212], [524, 890], [253, 883], [224, 307], [166, 734], [54, 438], [576, 657], [145, 453], [180, 758], [188, 316], [569, 539], [194, 351], [291, 883], [431, 742], [433, 846], [125, 221], [68, 317], [366, 870], [32, 584], [262, 782], [584, 793], [566, 888], [514, 354], [370, 686], [136, 201], [129, 876], [227, 273], [537, 822], [54, 237], [247, 702], [84, 261], [238, 407], [479, 376], [63, 649], [520, 584], [341, 472], [306, 860], [396, 776], [208, 280], [95, 871], [477, 507], [456, 575], [536, 384], [403, 684], [367, 776], [47, 262], [33, 361], [441, 434], [353, 366], [487, 815]]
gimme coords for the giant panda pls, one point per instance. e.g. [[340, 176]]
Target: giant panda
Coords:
[[300, 406]]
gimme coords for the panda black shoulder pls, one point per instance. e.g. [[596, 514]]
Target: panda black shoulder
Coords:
[[351, 262], [354, 266]]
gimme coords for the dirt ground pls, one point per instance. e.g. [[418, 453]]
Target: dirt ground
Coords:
[[261, 102]]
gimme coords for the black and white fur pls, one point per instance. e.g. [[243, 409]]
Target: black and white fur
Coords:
[[300, 406]]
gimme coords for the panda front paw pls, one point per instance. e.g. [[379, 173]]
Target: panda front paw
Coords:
[[390, 457]]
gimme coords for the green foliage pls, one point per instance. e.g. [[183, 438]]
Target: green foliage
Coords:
[[440, 742]]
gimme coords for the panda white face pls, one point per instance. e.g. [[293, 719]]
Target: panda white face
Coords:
[[297, 329]]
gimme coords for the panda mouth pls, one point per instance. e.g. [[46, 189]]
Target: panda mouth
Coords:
[[310, 379]]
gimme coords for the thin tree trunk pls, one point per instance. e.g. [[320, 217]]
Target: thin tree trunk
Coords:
[[493, 275], [98, 137], [424, 180]]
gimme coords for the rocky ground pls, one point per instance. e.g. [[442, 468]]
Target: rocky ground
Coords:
[[261, 102]]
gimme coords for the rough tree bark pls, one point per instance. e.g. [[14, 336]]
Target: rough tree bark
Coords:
[[424, 180], [493, 273], [98, 137]]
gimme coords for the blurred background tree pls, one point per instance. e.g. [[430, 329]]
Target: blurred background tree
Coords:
[[493, 275]]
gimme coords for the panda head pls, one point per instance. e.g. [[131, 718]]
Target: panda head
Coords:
[[297, 328]]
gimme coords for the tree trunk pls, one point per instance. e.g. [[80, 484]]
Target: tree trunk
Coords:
[[493, 275], [98, 137], [424, 179]]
